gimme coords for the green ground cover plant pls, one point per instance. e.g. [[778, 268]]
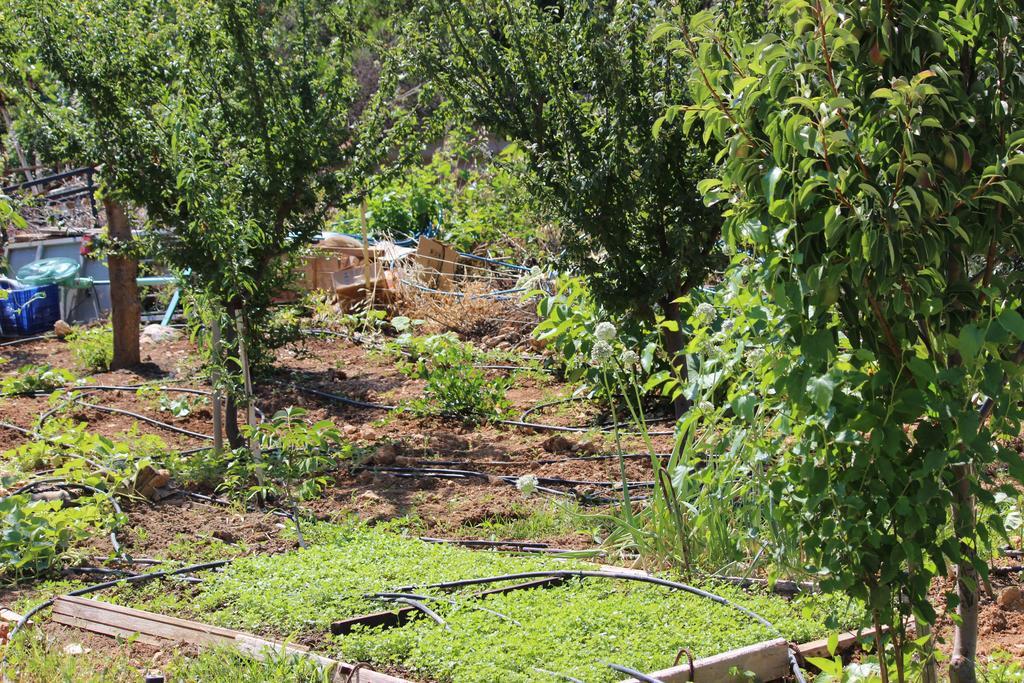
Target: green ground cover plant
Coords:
[[568, 629], [36, 660]]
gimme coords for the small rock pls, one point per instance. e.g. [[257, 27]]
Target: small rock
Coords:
[[158, 334], [385, 454], [369, 497], [350, 430], [225, 536], [62, 329], [75, 649], [1009, 597], [557, 444], [367, 433]]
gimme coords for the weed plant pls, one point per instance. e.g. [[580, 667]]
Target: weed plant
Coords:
[[454, 386], [93, 347], [31, 379]]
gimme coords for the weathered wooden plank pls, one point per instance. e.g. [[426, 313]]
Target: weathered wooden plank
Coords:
[[111, 608], [847, 641], [768, 660], [105, 629], [117, 620], [398, 617]]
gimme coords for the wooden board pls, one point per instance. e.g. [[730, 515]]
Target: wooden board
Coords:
[[768, 660], [155, 629]]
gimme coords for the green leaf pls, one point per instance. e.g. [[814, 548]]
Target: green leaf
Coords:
[[771, 180], [970, 342], [1012, 322], [820, 390]]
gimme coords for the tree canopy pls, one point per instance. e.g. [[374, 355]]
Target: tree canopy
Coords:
[[872, 161], [579, 86]]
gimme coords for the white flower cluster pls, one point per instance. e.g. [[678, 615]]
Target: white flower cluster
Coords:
[[605, 331], [601, 353], [629, 360], [527, 484], [705, 314]]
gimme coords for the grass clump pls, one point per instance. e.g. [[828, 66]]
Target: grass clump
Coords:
[[35, 658]]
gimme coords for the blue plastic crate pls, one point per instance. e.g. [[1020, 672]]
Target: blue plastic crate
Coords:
[[29, 311]]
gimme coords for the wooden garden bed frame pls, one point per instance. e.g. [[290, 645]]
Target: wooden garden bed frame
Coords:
[[769, 660]]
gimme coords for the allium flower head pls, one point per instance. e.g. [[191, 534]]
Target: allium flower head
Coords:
[[601, 353], [705, 313], [629, 359], [605, 331], [527, 484]]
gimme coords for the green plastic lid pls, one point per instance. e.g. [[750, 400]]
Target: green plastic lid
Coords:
[[49, 271]]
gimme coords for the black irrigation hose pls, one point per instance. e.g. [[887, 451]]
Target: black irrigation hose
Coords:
[[337, 397], [510, 478], [150, 420], [513, 546], [25, 340], [450, 601], [638, 675], [603, 427], [60, 483], [16, 428], [135, 578], [412, 602], [412, 473], [371, 405], [643, 578]]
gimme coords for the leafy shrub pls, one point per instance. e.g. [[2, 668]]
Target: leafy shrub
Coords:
[[35, 378], [295, 455], [37, 534], [454, 386], [93, 347], [468, 202]]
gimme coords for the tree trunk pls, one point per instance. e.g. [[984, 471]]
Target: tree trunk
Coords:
[[229, 348], [965, 634], [125, 310], [675, 342]]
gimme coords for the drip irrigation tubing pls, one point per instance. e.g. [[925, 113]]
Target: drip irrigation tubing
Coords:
[[134, 578], [642, 578], [25, 340], [413, 473], [512, 546], [603, 427], [436, 598], [540, 461], [554, 481], [412, 602], [638, 675], [16, 428], [371, 405]]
